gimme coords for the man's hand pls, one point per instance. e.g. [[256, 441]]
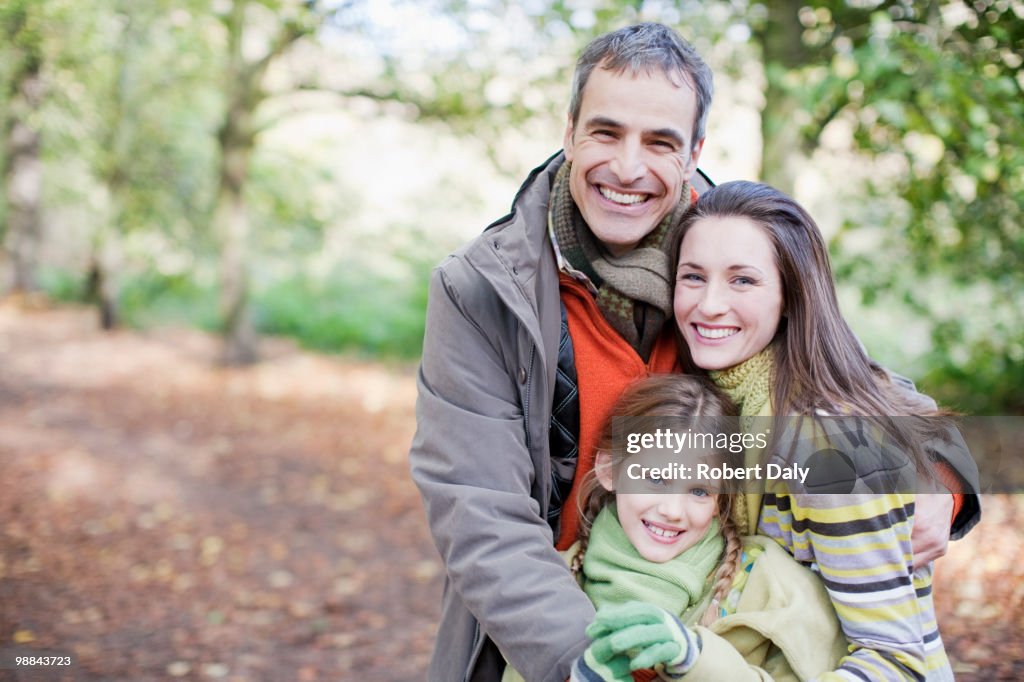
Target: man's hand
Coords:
[[930, 538]]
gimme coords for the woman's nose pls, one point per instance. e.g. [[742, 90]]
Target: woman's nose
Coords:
[[713, 301]]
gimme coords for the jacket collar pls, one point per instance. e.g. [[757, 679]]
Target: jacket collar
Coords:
[[515, 256]]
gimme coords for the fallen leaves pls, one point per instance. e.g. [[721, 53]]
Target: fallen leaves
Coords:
[[177, 520]]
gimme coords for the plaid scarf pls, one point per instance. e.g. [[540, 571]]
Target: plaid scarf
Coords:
[[634, 290]]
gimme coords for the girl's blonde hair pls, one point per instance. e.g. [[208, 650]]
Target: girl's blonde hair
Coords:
[[675, 396]]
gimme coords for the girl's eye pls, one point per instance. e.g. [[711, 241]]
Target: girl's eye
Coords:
[[655, 482], [700, 492]]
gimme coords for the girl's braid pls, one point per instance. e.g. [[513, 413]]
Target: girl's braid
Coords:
[[595, 498], [730, 564]]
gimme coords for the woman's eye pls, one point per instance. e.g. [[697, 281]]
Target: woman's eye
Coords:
[[691, 277], [743, 281]]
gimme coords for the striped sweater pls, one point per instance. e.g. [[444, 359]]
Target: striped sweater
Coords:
[[860, 546]]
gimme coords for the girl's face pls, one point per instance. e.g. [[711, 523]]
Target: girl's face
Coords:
[[728, 298], [661, 525]]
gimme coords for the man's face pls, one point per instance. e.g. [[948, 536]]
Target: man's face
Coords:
[[631, 151]]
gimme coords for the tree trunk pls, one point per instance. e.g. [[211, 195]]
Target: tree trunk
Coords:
[[113, 164], [103, 281], [232, 220], [237, 139], [782, 49], [23, 183]]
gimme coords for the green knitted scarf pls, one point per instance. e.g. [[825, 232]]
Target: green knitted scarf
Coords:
[[614, 572], [749, 383], [634, 289]]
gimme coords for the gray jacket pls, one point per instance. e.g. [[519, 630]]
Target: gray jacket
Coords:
[[480, 455]]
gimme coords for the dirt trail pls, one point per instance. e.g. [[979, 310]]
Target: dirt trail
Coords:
[[163, 518]]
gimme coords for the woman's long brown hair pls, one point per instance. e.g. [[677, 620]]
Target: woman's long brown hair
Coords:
[[819, 363]]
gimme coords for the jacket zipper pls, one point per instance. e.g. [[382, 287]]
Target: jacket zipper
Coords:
[[526, 398]]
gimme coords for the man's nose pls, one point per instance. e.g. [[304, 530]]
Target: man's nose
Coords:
[[628, 164]]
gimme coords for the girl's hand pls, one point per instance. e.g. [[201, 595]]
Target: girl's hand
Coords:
[[600, 666], [647, 634]]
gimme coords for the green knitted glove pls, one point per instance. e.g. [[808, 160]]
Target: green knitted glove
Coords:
[[591, 668], [645, 633]]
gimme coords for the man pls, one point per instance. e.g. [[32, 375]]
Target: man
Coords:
[[533, 330]]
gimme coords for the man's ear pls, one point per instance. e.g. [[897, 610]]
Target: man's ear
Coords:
[[691, 165], [603, 470], [567, 140]]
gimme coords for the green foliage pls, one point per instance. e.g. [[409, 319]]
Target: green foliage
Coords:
[[62, 285], [933, 94], [148, 298], [151, 299], [354, 309]]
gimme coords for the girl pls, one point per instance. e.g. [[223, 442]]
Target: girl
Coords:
[[693, 597]]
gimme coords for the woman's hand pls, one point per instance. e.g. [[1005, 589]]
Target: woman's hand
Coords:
[[647, 635]]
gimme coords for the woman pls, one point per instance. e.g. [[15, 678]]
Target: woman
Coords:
[[756, 306]]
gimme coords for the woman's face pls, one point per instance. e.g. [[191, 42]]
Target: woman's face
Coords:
[[728, 298]]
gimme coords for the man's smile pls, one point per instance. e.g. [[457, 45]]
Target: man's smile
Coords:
[[625, 198]]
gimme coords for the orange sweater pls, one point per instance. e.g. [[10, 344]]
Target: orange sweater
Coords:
[[605, 365]]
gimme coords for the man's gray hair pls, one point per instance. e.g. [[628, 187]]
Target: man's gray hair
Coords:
[[641, 48]]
